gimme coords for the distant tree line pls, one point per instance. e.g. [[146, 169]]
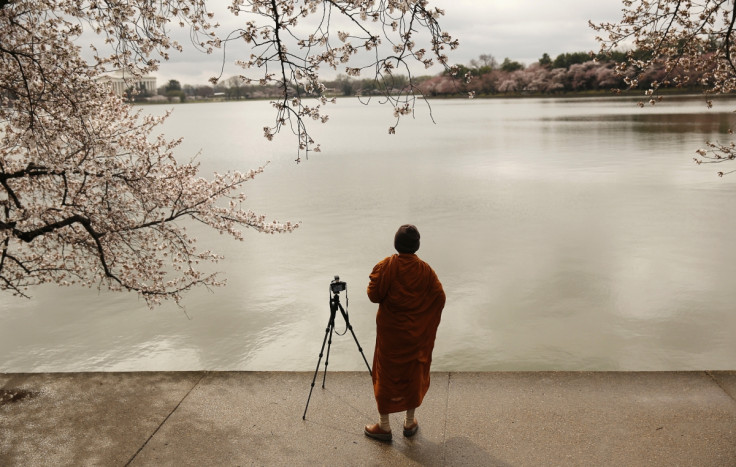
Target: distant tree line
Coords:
[[235, 88], [567, 73]]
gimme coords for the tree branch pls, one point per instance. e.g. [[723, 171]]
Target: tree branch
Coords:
[[727, 42], [48, 228]]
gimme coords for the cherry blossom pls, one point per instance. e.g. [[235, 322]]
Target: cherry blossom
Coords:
[[678, 43], [91, 193]]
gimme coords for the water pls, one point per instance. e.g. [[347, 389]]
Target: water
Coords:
[[569, 234]]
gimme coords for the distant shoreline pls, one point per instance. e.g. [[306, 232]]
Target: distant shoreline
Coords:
[[638, 94]]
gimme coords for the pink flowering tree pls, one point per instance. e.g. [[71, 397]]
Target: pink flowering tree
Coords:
[[678, 43], [90, 192]]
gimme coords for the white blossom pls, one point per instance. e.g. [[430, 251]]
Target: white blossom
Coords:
[[693, 42], [91, 193]]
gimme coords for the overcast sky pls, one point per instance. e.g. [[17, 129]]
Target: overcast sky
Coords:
[[522, 30]]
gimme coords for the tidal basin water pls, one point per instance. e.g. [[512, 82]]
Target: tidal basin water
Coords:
[[569, 234]]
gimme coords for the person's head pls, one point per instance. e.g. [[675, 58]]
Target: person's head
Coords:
[[406, 239]]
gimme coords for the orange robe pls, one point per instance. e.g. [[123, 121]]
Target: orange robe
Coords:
[[410, 298]]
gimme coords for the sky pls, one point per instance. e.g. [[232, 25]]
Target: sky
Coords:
[[525, 29], [521, 30]]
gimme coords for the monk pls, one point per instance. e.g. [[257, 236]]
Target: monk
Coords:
[[411, 299]]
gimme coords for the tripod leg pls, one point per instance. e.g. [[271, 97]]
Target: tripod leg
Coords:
[[327, 358], [360, 349], [327, 331]]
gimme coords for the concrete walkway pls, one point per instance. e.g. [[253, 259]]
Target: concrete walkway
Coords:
[[244, 418]]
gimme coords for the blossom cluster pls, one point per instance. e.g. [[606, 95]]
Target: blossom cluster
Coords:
[[686, 38], [90, 194]]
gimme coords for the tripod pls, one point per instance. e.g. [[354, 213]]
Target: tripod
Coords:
[[334, 306]]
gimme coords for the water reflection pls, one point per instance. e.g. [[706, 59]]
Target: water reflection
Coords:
[[708, 123]]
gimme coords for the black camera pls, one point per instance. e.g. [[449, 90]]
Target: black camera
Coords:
[[337, 286]]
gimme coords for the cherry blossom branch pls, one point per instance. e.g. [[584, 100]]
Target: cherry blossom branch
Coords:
[[299, 70], [92, 195], [691, 41]]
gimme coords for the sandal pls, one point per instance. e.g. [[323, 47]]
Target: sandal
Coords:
[[411, 430], [375, 432]]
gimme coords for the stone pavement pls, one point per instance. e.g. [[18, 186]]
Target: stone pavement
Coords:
[[255, 418]]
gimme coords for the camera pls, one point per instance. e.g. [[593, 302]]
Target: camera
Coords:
[[337, 286]]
